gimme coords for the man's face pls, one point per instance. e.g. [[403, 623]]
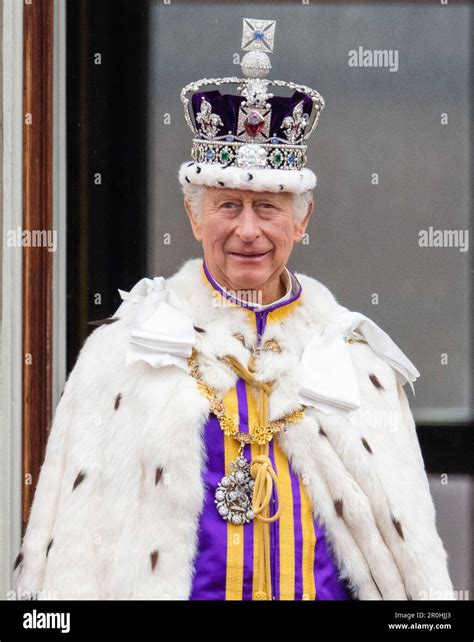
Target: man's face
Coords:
[[247, 236]]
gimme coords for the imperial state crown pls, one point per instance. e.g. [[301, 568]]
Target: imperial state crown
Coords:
[[252, 139]]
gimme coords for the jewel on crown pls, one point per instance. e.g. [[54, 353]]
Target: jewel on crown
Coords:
[[254, 128]]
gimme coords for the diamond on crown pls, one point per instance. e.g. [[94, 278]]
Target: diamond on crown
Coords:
[[251, 155], [255, 93], [208, 121], [258, 34], [294, 125]]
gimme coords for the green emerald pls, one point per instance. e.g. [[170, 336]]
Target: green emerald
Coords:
[[277, 158]]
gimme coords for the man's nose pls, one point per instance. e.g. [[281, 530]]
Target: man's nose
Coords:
[[248, 224]]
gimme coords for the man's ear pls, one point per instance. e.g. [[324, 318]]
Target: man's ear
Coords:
[[196, 226], [300, 227]]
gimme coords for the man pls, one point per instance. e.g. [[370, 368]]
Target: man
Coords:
[[234, 433]]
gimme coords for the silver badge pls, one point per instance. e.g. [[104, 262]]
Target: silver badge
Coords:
[[233, 496]]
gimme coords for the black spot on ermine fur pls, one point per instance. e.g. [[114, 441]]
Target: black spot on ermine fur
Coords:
[[79, 479], [376, 381], [398, 527]]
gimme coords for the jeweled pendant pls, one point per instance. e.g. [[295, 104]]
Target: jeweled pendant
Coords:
[[233, 496]]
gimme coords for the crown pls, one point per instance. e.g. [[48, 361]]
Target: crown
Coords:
[[252, 129]]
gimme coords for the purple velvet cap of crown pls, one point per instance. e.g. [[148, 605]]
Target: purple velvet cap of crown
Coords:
[[227, 107]]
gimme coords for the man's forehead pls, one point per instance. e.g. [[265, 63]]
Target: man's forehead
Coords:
[[219, 192]]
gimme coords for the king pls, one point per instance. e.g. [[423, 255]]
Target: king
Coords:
[[233, 432]]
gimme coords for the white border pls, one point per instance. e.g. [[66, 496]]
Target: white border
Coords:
[[11, 366]]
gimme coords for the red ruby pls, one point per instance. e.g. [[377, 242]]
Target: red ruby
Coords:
[[254, 123]]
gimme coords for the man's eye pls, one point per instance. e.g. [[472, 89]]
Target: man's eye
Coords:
[[228, 203], [267, 205]]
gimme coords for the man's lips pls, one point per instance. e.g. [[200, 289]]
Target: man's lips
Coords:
[[249, 255]]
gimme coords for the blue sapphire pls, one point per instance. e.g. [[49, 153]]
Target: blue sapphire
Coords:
[[275, 140], [229, 139], [291, 158], [210, 154], [258, 35]]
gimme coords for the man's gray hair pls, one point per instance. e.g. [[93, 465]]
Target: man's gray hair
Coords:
[[195, 195]]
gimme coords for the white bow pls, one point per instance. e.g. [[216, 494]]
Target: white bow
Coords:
[[162, 333], [327, 377]]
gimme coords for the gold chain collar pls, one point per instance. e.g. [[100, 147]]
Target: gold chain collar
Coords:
[[263, 432]]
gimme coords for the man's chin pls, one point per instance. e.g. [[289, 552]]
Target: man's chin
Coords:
[[248, 279]]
